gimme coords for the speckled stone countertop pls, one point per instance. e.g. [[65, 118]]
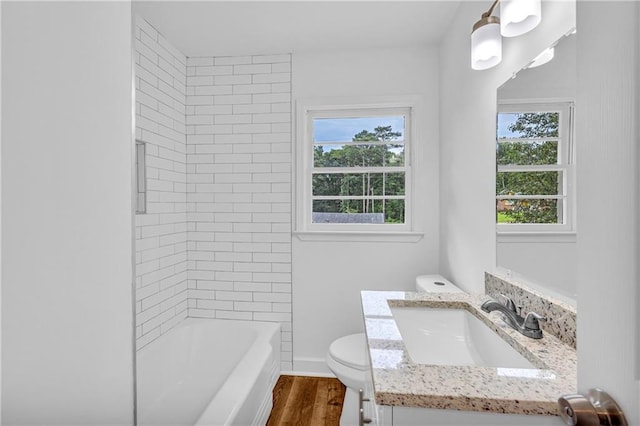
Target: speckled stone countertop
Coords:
[[399, 381]]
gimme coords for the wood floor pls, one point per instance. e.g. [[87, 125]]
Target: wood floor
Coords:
[[307, 401]]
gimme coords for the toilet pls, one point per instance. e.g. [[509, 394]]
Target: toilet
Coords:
[[348, 358], [436, 284]]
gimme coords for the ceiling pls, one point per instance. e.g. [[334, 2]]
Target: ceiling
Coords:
[[221, 28]]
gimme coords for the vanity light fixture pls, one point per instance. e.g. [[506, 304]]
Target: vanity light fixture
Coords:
[[486, 43], [517, 17], [545, 56]]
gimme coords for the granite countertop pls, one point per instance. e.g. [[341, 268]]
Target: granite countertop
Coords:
[[399, 381]]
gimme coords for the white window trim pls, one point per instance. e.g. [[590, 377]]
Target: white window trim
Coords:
[[304, 229], [547, 231], [538, 237]]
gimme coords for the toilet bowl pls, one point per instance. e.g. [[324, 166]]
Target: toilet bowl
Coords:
[[348, 358]]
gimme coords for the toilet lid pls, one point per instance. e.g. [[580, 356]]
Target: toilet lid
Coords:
[[436, 284], [351, 351]]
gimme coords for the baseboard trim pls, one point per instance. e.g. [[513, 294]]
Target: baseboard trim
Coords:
[[314, 367], [308, 374]]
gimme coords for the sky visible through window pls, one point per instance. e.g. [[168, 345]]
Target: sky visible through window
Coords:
[[504, 121], [344, 129]]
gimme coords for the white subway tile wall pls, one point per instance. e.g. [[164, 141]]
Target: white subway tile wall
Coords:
[[161, 233], [238, 118], [216, 242]]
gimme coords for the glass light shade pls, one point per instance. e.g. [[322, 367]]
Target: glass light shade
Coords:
[[486, 44], [542, 58], [518, 17]]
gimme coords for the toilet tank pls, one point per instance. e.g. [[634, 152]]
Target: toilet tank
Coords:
[[436, 284]]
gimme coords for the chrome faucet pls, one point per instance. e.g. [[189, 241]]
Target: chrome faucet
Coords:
[[528, 326]]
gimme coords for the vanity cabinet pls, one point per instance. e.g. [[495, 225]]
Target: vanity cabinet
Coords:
[[379, 415]]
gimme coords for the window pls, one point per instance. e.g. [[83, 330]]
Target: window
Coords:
[[535, 176], [354, 168]]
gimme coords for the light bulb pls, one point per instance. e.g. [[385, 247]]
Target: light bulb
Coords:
[[486, 43], [545, 56], [518, 17]]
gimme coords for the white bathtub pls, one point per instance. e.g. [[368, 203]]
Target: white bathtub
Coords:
[[209, 372]]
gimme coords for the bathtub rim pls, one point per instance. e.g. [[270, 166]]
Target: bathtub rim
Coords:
[[262, 356]]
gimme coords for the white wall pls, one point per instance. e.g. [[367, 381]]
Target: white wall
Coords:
[[329, 275], [554, 80], [547, 263], [161, 232], [607, 127], [467, 125], [67, 325]]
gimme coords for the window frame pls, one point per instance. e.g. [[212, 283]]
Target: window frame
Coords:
[[566, 165], [307, 111]]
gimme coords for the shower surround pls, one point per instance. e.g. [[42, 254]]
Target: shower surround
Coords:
[[216, 239]]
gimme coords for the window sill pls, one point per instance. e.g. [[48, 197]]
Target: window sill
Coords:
[[353, 236], [536, 237]]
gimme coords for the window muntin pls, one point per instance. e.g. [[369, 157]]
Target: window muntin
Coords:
[[358, 176], [534, 179], [531, 183]]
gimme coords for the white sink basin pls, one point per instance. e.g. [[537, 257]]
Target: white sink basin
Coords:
[[453, 337]]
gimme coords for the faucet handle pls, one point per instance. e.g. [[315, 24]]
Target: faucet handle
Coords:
[[508, 302], [532, 321]]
